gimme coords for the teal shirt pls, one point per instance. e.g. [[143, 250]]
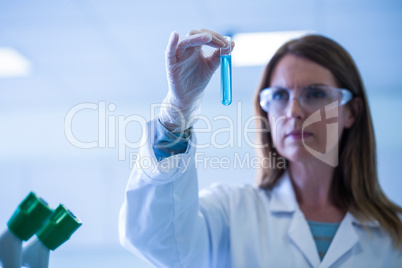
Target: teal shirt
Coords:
[[323, 233]]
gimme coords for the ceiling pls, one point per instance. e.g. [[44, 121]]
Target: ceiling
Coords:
[[102, 50]]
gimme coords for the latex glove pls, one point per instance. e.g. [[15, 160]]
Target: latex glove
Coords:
[[188, 73]]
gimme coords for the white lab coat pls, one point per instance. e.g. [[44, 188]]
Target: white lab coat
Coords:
[[164, 221]]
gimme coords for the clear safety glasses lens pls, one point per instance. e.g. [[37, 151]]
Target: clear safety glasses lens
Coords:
[[276, 99]]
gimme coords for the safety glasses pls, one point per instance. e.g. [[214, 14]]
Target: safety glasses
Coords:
[[311, 98]]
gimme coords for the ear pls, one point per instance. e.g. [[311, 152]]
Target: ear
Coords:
[[353, 111]]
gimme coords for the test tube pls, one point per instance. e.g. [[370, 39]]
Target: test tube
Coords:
[[226, 73]]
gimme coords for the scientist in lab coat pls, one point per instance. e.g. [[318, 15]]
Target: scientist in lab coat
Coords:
[[322, 207]]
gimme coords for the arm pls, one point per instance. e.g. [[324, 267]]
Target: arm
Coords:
[[161, 219]]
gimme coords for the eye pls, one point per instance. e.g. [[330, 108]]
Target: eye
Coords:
[[315, 93], [280, 94]]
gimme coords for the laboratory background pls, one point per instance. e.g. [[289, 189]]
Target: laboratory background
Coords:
[[78, 79]]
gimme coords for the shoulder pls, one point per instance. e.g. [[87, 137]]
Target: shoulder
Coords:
[[374, 237]]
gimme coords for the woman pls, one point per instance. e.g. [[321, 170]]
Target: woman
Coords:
[[324, 208]]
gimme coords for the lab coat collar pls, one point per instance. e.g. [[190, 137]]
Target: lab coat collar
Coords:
[[372, 224], [345, 238], [283, 198], [300, 234]]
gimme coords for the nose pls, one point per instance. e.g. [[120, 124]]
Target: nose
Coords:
[[294, 109]]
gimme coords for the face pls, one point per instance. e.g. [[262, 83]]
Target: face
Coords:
[[294, 135]]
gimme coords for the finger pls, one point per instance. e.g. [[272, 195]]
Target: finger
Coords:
[[193, 32], [232, 45], [193, 41], [170, 54], [214, 59], [217, 36]]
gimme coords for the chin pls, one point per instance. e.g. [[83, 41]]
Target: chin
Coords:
[[296, 154]]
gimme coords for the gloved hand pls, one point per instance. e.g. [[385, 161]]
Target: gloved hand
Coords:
[[188, 73]]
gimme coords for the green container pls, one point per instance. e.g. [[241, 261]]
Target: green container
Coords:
[[58, 228], [29, 217]]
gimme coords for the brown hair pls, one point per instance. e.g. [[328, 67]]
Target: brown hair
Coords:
[[356, 186]]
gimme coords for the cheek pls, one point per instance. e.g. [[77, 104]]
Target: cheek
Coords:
[[326, 135], [319, 140], [278, 136], [276, 133]]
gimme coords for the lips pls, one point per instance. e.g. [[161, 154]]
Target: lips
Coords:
[[298, 134]]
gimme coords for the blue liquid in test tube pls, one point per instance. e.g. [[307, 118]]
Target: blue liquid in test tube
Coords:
[[226, 75]]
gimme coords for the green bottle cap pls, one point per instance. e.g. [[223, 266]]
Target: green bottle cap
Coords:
[[58, 228], [29, 217]]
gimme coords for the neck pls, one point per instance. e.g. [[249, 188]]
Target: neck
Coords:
[[311, 182]]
